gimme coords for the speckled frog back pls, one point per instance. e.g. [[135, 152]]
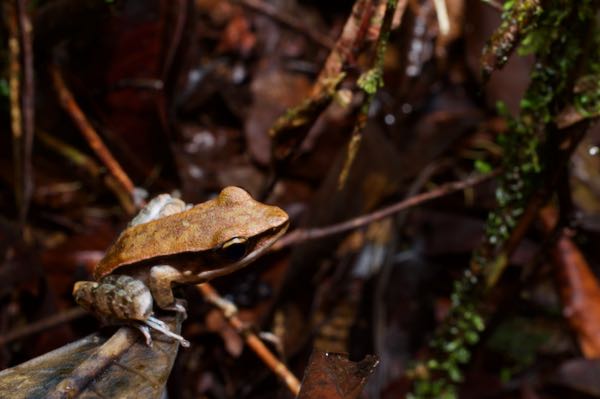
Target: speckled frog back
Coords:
[[206, 226]]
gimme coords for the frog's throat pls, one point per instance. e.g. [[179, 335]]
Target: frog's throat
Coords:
[[211, 274]]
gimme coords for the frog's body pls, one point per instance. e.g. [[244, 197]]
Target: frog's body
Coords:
[[172, 245]]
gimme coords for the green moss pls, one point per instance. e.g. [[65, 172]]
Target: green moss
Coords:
[[556, 56], [482, 166], [587, 96], [555, 39], [371, 81], [518, 18]]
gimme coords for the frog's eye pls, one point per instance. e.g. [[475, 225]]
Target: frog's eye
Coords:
[[235, 249]]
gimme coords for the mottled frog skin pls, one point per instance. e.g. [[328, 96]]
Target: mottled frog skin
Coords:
[[170, 243]]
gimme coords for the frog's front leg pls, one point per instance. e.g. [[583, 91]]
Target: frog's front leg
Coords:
[[161, 282]]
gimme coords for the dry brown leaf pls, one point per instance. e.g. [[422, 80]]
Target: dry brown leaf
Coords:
[[121, 366]]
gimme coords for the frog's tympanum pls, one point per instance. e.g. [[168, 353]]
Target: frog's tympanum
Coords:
[[168, 244]]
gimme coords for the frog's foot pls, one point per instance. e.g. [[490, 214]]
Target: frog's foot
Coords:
[[177, 306], [159, 325], [145, 330]]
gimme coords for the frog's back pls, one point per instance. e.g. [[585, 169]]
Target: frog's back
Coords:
[[202, 228]]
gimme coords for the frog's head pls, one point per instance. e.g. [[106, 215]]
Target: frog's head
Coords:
[[247, 228]]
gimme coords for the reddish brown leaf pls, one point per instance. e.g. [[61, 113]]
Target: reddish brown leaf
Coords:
[[333, 376], [578, 287]]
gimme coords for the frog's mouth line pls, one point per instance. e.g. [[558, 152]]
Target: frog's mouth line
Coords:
[[257, 253]]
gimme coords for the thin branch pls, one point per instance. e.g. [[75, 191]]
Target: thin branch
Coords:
[[90, 166], [505, 39], [85, 127], [231, 314], [291, 128], [301, 235], [369, 82], [347, 45], [21, 96], [442, 16], [27, 102], [568, 117]]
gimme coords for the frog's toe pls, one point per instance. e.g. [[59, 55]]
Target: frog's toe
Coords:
[[160, 325], [145, 330], [179, 307]]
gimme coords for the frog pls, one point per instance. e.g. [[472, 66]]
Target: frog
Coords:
[[170, 243]]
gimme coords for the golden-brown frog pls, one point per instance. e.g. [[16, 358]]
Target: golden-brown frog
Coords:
[[167, 244]]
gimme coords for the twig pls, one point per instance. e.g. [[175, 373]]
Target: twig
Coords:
[[301, 235], [21, 100], [505, 39], [568, 117], [14, 83], [292, 127], [442, 16], [369, 82], [70, 105], [585, 102], [230, 313], [41, 325], [347, 45], [90, 166], [288, 20], [27, 102]]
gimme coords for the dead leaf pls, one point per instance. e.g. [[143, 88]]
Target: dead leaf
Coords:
[[578, 288], [333, 376], [274, 91], [122, 366]]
